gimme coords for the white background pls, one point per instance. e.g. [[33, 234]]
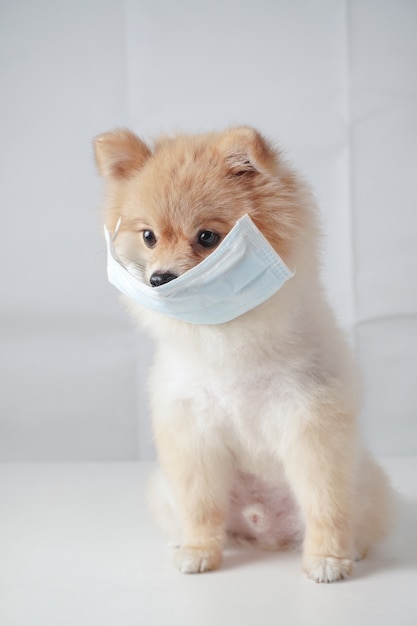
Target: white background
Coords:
[[333, 82]]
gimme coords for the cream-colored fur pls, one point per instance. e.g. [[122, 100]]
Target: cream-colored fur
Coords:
[[255, 420]]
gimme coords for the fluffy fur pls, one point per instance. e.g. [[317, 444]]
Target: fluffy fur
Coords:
[[255, 420]]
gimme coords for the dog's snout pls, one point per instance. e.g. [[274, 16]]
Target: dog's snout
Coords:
[[160, 278]]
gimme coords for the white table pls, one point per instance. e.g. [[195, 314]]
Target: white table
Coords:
[[78, 548]]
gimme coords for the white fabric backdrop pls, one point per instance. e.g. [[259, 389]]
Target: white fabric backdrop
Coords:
[[332, 81]]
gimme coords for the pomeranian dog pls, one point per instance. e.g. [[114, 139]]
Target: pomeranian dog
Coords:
[[254, 418]]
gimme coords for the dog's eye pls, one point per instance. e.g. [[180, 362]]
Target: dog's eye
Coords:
[[208, 239], [149, 238]]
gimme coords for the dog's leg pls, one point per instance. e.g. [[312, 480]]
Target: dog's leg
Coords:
[[320, 464], [199, 476]]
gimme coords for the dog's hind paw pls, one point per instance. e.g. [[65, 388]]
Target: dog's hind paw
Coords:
[[190, 560], [327, 569]]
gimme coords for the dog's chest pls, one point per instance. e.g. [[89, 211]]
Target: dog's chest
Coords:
[[246, 395]]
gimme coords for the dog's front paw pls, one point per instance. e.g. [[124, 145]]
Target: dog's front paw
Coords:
[[326, 569], [196, 560]]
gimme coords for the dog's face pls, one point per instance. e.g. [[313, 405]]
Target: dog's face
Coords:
[[179, 201]]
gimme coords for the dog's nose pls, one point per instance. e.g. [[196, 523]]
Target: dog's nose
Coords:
[[160, 278]]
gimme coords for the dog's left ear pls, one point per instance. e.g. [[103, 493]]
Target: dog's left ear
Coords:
[[246, 151], [120, 153]]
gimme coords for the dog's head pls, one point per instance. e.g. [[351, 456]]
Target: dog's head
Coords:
[[178, 200]]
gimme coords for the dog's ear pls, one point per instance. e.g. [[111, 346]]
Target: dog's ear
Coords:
[[246, 151], [119, 153]]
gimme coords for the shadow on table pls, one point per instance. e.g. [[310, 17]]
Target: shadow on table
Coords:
[[399, 551]]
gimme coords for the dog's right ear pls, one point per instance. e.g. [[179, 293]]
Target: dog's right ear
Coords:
[[119, 153], [246, 151]]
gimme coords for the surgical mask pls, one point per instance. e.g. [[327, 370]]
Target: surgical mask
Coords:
[[241, 273]]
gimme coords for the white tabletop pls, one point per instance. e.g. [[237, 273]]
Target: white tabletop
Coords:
[[78, 548]]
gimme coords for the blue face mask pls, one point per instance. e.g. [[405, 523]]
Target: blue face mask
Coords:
[[240, 274]]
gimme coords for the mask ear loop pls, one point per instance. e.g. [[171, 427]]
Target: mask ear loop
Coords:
[[116, 230], [116, 256]]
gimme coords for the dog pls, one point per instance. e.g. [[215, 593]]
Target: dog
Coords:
[[254, 418]]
